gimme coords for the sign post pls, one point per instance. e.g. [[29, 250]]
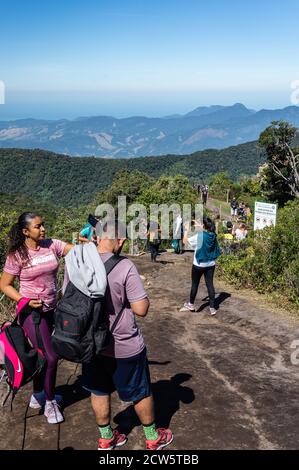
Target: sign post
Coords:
[[264, 215]]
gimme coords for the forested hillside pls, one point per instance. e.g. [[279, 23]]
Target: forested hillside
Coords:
[[67, 181]]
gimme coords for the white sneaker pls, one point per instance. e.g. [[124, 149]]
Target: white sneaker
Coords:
[[52, 412], [34, 403], [213, 311], [187, 307]]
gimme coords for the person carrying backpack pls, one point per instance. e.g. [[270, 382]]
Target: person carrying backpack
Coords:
[[242, 212], [234, 207], [206, 251], [204, 194], [177, 242], [123, 365], [81, 329], [153, 239], [34, 260]]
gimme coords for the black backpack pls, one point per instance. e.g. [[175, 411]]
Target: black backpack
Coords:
[[81, 329]]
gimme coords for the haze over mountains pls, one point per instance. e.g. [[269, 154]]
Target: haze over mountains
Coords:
[[105, 136]]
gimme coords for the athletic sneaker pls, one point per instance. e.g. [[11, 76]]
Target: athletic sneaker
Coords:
[[213, 311], [165, 438], [34, 403], [187, 307], [38, 400], [52, 412], [117, 440]]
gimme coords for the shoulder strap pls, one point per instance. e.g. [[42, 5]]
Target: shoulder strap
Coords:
[[112, 262], [36, 318], [14, 322], [117, 319], [109, 266]]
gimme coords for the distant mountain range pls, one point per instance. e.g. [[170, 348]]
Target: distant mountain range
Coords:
[[104, 136]]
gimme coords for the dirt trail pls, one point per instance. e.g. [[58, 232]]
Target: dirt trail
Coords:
[[223, 382], [215, 209]]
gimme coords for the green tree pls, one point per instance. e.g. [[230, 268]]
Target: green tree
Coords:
[[69, 221], [220, 183], [126, 183], [280, 177], [7, 219], [169, 190], [250, 185]]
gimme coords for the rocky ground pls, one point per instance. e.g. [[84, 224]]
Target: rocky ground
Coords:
[[223, 382]]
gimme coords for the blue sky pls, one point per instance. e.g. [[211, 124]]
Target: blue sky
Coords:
[[63, 59]]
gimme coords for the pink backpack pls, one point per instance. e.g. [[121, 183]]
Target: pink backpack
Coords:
[[19, 361]]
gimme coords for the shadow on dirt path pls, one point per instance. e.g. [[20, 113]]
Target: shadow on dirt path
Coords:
[[219, 299], [168, 394]]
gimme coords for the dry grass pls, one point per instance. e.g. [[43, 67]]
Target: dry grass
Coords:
[[7, 310], [274, 302]]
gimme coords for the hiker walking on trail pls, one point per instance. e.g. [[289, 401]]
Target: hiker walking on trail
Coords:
[[242, 211], [234, 207], [204, 194], [123, 365], [153, 239], [177, 242], [34, 261], [206, 251]]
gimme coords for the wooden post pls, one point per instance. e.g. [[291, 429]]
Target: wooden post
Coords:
[[220, 212], [131, 241], [227, 195], [75, 238]]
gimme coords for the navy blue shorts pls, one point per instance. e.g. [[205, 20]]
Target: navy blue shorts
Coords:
[[130, 377]]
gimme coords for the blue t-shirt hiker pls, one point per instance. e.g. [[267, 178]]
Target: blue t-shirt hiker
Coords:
[[88, 230]]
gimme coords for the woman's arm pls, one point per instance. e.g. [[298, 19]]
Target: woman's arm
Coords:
[[185, 238], [186, 228], [67, 248], [83, 239], [6, 285]]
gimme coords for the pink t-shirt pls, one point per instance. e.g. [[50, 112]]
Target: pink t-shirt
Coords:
[[38, 275], [125, 287]]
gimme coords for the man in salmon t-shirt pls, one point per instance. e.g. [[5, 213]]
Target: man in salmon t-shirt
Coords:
[[123, 366]]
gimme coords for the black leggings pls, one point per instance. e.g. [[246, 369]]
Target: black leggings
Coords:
[[208, 273], [154, 249]]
